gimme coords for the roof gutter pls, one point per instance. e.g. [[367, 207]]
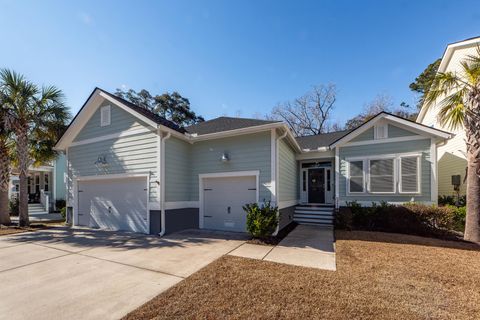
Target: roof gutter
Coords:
[[162, 184]]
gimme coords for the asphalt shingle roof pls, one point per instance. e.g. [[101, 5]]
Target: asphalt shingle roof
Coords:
[[320, 140], [225, 124]]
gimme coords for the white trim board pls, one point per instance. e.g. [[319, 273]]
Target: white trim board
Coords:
[[172, 205], [254, 173], [117, 135]]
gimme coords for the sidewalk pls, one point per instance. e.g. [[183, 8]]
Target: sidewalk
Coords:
[[306, 246]]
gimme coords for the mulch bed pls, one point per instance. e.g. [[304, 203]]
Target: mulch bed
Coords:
[[379, 276], [273, 241]]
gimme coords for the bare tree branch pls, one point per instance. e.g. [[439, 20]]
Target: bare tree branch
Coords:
[[310, 113]]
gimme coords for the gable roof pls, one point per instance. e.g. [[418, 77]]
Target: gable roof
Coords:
[[90, 106], [147, 113], [447, 56], [396, 119], [321, 140], [222, 124]]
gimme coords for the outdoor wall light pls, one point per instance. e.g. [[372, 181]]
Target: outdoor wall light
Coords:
[[225, 157], [101, 162]]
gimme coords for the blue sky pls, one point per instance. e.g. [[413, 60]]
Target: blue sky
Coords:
[[232, 57]]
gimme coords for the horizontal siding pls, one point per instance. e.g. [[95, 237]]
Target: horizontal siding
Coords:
[[288, 173], [365, 136], [396, 132], [246, 152], [449, 164], [421, 146], [133, 155], [59, 183], [120, 121], [178, 170]]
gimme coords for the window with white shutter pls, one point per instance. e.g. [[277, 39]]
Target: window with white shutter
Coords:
[[382, 175], [356, 181], [409, 174], [105, 116]]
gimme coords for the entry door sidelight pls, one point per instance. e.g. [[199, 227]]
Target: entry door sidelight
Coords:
[[316, 185]]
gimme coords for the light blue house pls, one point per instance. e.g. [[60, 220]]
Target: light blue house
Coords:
[[46, 185], [129, 169]]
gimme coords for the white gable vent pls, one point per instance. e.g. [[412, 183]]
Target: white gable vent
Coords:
[[381, 131], [105, 116]]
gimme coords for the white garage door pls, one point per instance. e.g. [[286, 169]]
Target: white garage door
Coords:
[[223, 201], [116, 204]]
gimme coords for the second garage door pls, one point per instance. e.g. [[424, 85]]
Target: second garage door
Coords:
[[223, 201], [116, 204]]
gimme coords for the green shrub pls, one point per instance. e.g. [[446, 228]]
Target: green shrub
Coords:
[[452, 200], [60, 204], [262, 221], [410, 218], [14, 207], [63, 212]]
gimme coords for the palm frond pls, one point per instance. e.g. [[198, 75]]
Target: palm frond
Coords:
[[452, 110], [443, 83]]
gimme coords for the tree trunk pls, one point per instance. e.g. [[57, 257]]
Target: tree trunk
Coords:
[[4, 183], [23, 163], [472, 223], [472, 132]]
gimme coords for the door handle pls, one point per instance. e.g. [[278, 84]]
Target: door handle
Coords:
[[228, 210]]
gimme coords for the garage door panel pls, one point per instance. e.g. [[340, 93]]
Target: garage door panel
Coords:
[[223, 202], [117, 204]]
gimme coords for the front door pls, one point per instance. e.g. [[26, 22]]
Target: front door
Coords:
[[316, 185]]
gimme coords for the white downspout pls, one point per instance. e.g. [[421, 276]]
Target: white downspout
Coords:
[[277, 194], [162, 184]]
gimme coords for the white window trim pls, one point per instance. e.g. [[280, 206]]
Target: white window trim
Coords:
[[394, 174], [419, 173], [396, 169], [375, 131], [348, 175], [103, 122]]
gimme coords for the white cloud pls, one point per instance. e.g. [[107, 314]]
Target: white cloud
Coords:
[[86, 18]]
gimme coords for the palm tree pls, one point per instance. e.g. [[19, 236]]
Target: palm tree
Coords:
[[459, 96], [32, 114], [4, 168]]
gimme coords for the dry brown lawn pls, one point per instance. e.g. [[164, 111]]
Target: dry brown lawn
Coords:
[[7, 230], [379, 276]]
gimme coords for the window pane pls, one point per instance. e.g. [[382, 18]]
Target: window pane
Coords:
[[381, 167], [356, 184], [304, 181], [356, 176], [381, 184], [356, 168], [409, 174], [381, 175]]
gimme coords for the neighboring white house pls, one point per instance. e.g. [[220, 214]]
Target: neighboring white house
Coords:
[[452, 155]]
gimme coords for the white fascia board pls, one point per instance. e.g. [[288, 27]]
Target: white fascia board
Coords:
[[87, 112], [129, 110], [447, 56], [419, 128], [364, 127], [79, 121]]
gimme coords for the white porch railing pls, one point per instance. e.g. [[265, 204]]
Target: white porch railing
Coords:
[[44, 199]]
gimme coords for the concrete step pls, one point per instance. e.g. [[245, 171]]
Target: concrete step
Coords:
[[313, 222], [315, 208], [316, 213], [315, 217]]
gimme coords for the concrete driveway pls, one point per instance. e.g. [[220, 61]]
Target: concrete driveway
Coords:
[[67, 273]]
